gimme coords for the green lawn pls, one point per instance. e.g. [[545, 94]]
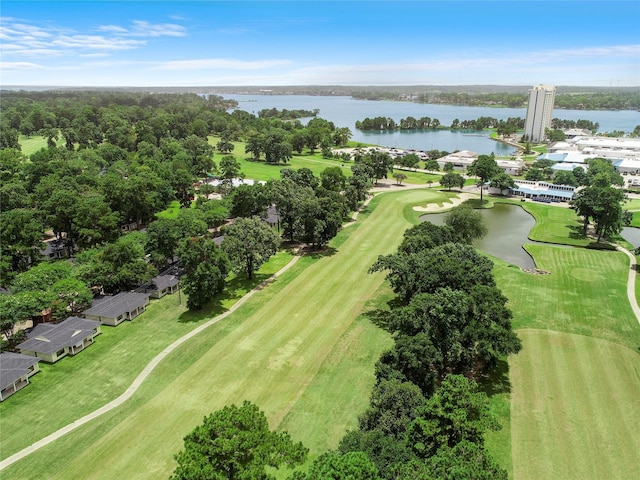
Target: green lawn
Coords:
[[585, 293], [573, 390], [556, 225], [299, 349], [30, 145], [171, 211], [574, 410], [632, 204], [259, 170], [77, 385]]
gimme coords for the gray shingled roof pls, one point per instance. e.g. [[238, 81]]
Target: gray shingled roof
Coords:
[[47, 338], [13, 366], [163, 281], [116, 305]]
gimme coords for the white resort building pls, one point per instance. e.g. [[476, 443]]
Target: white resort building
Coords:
[[462, 159]]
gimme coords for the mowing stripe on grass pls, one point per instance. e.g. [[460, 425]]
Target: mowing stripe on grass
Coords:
[[274, 349], [571, 416]]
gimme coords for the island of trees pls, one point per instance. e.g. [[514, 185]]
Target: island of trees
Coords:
[[502, 127]]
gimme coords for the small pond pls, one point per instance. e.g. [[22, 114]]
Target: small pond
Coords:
[[631, 235], [508, 229]]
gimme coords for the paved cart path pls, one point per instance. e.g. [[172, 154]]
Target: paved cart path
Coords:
[[141, 377], [631, 282]]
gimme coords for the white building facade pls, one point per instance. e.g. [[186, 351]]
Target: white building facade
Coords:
[[539, 113]]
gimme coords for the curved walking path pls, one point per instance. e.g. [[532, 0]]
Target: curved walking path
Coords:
[[631, 282], [146, 371]]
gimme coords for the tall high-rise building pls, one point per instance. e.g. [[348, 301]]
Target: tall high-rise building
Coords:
[[539, 112]]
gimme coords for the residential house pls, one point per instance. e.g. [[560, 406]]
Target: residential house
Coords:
[[51, 342], [54, 249], [162, 285], [15, 370], [113, 310]]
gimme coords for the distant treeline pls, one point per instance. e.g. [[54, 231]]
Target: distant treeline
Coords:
[[568, 101], [567, 97], [285, 114]]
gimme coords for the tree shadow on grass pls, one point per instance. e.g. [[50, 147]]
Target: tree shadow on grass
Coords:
[[364, 211], [234, 289], [496, 381], [321, 253], [380, 316], [600, 246], [577, 232], [206, 312]]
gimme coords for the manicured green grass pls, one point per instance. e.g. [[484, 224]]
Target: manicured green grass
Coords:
[[556, 225], [574, 408], [75, 386], [259, 170], [585, 293], [416, 178], [171, 211], [30, 145], [574, 384], [298, 349], [632, 204]]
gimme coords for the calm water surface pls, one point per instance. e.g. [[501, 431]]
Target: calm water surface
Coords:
[[631, 235], [509, 227], [345, 111]]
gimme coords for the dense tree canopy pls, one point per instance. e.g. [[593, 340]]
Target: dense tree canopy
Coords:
[[451, 265], [235, 443], [205, 270], [466, 222], [249, 243], [452, 180], [602, 204]]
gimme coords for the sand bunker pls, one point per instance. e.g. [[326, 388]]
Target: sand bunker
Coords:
[[452, 202]]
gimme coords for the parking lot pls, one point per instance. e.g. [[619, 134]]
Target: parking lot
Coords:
[[631, 181]]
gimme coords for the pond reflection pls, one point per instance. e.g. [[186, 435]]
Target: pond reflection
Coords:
[[508, 229]]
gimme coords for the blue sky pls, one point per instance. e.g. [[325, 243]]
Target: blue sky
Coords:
[[188, 43]]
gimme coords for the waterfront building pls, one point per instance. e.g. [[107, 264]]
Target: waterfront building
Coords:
[[543, 191], [539, 113], [463, 159]]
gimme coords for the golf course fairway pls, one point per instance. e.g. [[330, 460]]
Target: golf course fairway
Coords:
[[269, 351]]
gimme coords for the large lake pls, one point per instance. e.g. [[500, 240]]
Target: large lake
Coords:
[[345, 111]]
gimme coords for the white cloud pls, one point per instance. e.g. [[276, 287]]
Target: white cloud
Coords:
[[21, 40], [112, 29], [96, 42], [19, 66], [146, 29]]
